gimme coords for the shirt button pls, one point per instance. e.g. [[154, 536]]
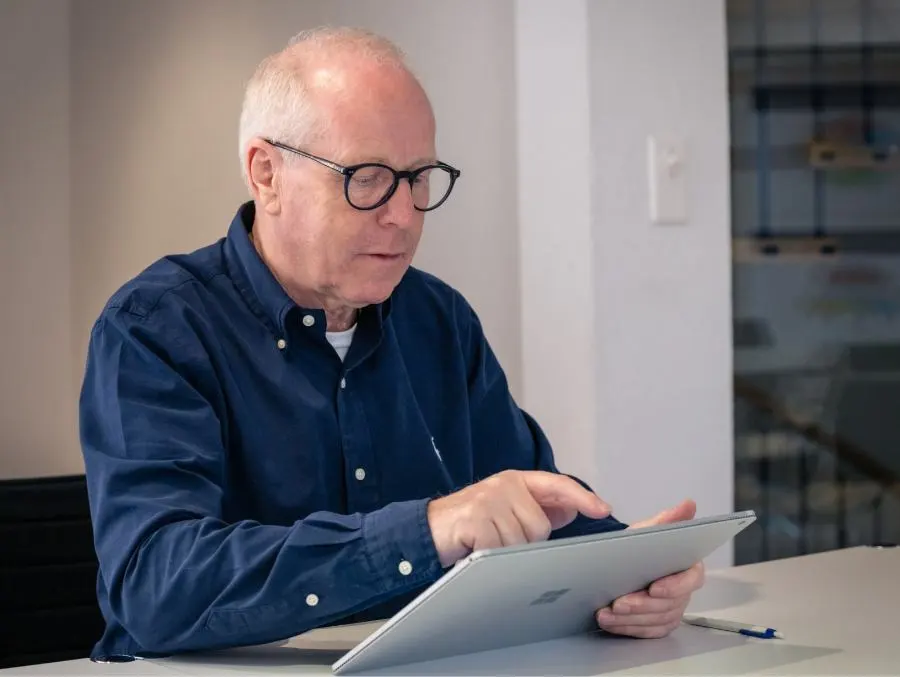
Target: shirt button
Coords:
[[360, 474], [312, 600], [308, 320], [281, 343], [405, 568], [343, 383]]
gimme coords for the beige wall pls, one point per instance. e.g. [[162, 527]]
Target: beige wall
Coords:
[[152, 124], [156, 96], [37, 394]]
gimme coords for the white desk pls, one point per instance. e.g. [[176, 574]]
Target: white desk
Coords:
[[838, 610]]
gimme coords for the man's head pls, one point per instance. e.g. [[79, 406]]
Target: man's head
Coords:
[[346, 96]]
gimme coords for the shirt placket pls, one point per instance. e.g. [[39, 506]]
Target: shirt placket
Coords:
[[361, 473]]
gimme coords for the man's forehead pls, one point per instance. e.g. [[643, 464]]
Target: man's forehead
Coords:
[[370, 136], [362, 153]]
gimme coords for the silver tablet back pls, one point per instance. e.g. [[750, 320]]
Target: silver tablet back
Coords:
[[536, 592]]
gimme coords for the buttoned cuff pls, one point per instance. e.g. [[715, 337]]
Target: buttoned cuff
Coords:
[[399, 548]]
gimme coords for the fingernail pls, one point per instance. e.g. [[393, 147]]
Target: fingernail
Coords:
[[622, 607], [605, 615]]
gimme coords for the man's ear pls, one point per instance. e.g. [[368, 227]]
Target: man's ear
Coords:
[[264, 166]]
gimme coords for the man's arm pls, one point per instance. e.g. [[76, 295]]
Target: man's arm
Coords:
[[504, 436], [179, 576]]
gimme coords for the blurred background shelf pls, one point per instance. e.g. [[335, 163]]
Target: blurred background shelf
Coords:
[[834, 96], [823, 155], [814, 89], [819, 155]]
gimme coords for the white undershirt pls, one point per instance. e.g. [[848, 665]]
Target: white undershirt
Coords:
[[341, 340]]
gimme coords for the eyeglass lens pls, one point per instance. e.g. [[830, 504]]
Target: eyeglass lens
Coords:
[[369, 185]]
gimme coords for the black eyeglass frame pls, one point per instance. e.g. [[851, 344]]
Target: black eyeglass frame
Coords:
[[348, 172]]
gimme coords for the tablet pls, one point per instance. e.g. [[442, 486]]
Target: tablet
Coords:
[[535, 592]]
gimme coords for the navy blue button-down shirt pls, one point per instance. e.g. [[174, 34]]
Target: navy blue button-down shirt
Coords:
[[246, 484]]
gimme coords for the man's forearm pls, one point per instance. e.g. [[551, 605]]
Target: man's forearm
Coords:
[[201, 584]]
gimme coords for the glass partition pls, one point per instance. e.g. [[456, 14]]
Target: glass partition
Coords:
[[815, 157]]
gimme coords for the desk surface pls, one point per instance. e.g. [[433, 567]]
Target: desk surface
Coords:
[[838, 612]]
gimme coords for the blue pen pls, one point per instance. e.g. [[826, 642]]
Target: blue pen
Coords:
[[757, 631]]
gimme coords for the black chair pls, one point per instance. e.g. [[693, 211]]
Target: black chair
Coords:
[[48, 570]]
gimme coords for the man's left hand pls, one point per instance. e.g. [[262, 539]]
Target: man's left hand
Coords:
[[656, 611]]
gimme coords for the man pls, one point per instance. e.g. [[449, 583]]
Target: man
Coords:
[[293, 427]]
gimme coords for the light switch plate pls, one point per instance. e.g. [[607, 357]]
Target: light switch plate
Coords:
[[667, 170]]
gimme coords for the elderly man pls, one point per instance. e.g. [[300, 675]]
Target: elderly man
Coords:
[[292, 427]]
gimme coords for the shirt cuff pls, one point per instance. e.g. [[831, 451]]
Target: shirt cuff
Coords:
[[399, 548]]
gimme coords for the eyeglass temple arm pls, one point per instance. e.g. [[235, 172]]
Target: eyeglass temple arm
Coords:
[[315, 158]]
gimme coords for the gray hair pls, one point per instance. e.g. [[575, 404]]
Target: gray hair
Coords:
[[277, 102]]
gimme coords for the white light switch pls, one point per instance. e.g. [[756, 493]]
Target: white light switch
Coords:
[[667, 168]]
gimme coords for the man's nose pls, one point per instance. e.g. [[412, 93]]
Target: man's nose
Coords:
[[399, 209]]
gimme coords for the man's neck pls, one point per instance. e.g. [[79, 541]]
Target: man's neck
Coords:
[[338, 318]]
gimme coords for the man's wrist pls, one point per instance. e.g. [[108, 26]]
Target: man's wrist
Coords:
[[400, 549]]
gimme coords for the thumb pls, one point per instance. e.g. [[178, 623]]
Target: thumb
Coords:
[[681, 512]]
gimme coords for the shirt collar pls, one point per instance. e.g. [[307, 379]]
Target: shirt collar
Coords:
[[262, 292]]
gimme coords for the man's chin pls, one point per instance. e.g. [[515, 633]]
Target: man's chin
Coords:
[[373, 295], [368, 288]]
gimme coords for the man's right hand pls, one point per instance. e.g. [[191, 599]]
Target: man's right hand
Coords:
[[509, 508]]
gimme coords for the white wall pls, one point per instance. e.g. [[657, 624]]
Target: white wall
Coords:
[[556, 280], [157, 88], [644, 310], [37, 394], [664, 363]]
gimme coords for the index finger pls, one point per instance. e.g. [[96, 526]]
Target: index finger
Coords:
[[680, 584], [553, 490]]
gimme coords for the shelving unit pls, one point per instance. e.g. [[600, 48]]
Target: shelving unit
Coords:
[[815, 163], [749, 249], [837, 156], [843, 90]]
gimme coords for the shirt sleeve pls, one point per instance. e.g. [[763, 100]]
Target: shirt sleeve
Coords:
[[179, 576], [505, 436]]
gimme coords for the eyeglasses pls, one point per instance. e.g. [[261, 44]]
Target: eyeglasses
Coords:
[[371, 184]]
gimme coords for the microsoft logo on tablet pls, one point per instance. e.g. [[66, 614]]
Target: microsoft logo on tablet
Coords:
[[550, 596]]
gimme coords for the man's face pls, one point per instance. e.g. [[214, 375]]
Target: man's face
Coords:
[[336, 253]]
